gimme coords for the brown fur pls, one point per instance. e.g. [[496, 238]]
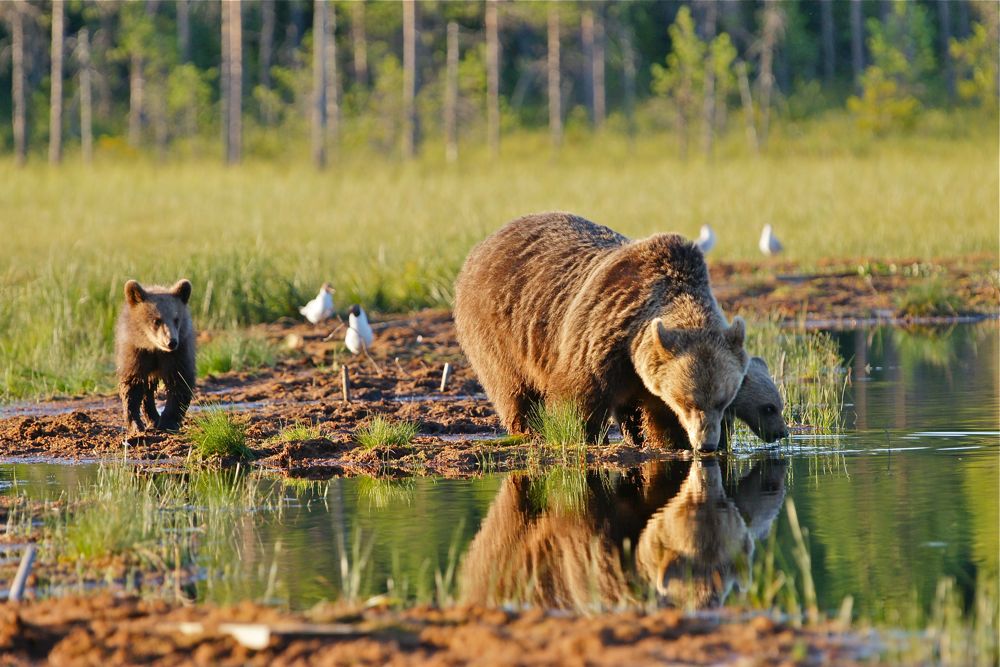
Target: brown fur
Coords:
[[555, 307], [155, 342], [758, 403], [673, 528]]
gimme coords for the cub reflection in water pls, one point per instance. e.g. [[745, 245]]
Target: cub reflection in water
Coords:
[[683, 530]]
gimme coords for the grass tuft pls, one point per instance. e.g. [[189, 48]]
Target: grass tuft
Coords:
[[235, 351], [381, 432], [298, 432], [931, 298], [218, 434], [560, 424]]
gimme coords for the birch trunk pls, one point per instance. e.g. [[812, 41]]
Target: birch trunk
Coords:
[[224, 78], [409, 78], [451, 96], [829, 45], [17, 82], [55, 97], [492, 78], [597, 72], [708, 107], [332, 77], [319, 84], [628, 73], [234, 146], [749, 121], [857, 41], [266, 41], [769, 41], [587, 43], [86, 97], [944, 16], [184, 30], [359, 43], [555, 85]]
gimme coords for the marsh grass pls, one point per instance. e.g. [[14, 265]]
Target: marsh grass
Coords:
[[257, 241], [218, 434], [929, 298], [298, 432], [382, 493], [808, 370], [560, 425], [236, 350], [380, 432], [561, 489]]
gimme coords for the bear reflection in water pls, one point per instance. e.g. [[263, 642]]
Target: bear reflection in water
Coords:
[[682, 530]]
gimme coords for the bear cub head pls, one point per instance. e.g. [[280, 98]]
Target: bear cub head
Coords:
[[759, 403], [158, 319], [697, 373]]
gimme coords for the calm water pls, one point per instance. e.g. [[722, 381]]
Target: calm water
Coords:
[[906, 495]]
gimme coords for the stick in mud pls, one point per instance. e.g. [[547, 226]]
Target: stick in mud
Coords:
[[445, 374], [345, 383], [23, 570]]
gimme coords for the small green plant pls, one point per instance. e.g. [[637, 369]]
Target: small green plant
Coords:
[[218, 434], [381, 432], [560, 424], [236, 351], [298, 432], [931, 298]]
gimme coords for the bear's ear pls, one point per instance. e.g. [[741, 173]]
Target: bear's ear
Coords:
[[759, 364], [671, 340], [182, 289], [134, 293], [736, 333]]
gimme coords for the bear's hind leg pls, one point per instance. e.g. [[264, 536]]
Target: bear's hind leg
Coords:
[[629, 418], [515, 408]]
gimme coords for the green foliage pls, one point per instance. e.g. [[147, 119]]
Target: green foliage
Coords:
[[902, 55], [929, 298], [977, 57], [217, 435], [560, 424], [379, 432], [236, 351], [298, 432]]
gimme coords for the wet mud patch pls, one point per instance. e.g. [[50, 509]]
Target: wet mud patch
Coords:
[[115, 630]]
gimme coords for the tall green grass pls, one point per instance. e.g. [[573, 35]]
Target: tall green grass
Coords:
[[379, 431], [257, 241]]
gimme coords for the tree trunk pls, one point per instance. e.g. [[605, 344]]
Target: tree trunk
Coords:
[[708, 110], [628, 73], [748, 112], [17, 82], [234, 147], [857, 41], [964, 27], [136, 87], [86, 104], [409, 78], [451, 96], [587, 43], [555, 84], [769, 40], [359, 42], [597, 71], [829, 44], [319, 84], [944, 16], [332, 78], [224, 78], [492, 78], [266, 41], [184, 30], [55, 98]]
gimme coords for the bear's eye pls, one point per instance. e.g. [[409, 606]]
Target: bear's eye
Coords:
[[157, 322], [769, 409]]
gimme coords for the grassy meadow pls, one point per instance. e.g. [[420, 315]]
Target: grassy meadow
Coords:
[[257, 240]]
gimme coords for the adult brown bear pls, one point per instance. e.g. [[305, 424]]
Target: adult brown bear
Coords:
[[553, 307]]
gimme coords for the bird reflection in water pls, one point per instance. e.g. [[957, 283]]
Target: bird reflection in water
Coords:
[[682, 531]]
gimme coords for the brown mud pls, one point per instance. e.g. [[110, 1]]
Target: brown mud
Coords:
[[459, 432], [110, 630]]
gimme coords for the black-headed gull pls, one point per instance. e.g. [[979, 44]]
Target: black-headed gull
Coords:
[[359, 335], [769, 244], [705, 240], [320, 308]]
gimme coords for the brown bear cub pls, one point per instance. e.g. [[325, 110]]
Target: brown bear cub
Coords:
[[154, 342], [758, 403], [553, 307]]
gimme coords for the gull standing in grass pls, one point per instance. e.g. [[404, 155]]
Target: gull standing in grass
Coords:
[[705, 240], [769, 244], [320, 308]]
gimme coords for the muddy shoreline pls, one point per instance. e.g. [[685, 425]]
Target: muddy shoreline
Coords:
[[459, 432]]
